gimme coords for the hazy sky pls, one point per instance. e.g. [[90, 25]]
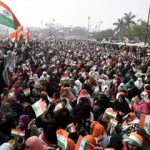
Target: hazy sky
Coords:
[[76, 12]]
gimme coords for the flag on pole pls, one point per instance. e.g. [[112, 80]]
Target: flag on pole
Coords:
[[113, 122], [27, 36], [15, 35], [110, 113], [62, 136], [145, 122], [16, 132], [39, 107], [82, 144], [7, 17], [71, 128]]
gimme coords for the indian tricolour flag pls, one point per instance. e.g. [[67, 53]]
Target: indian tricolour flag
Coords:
[[64, 76], [71, 128], [110, 113], [62, 136], [16, 132], [82, 144], [26, 91], [145, 122], [39, 107], [27, 35], [113, 122], [15, 35], [7, 17]]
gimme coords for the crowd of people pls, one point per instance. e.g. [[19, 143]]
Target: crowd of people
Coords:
[[94, 96]]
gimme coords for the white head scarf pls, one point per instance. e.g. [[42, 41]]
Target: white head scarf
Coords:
[[145, 97], [139, 83], [121, 87], [44, 77], [78, 86], [24, 67]]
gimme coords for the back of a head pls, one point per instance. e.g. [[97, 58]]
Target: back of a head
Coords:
[[98, 130], [91, 140], [70, 144], [50, 131], [116, 142], [33, 143]]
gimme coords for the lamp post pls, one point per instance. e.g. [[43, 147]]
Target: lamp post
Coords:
[[99, 25], [88, 26]]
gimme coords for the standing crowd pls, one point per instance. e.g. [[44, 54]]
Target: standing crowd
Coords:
[[96, 96]]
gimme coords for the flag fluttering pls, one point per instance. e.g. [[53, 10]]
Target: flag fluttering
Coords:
[[15, 35], [27, 36], [7, 17]]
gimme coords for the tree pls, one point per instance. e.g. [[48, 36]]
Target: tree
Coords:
[[128, 20], [106, 34], [119, 24], [137, 32], [79, 31]]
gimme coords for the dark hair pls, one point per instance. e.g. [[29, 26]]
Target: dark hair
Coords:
[[116, 142]]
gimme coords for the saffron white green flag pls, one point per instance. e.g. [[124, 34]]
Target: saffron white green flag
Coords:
[[7, 17], [82, 144], [15, 35], [39, 107], [62, 136], [71, 128], [62, 141], [145, 122], [113, 122], [16, 132]]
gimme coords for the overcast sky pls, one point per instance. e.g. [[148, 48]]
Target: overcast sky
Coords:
[[76, 12]]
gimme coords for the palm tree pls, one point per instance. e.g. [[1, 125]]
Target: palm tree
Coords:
[[119, 24], [128, 19]]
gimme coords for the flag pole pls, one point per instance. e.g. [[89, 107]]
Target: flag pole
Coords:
[[92, 145], [88, 26], [147, 26]]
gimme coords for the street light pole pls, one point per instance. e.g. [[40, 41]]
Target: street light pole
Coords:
[[88, 26], [147, 26], [99, 25]]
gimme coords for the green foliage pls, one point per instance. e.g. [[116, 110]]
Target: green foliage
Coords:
[[126, 27], [104, 35], [128, 20], [137, 32]]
